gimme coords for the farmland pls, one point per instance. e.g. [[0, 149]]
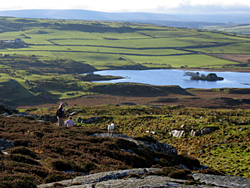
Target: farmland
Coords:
[[103, 43], [234, 28], [54, 52]]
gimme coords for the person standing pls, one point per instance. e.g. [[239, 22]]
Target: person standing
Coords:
[[69, 122], [60, 114]]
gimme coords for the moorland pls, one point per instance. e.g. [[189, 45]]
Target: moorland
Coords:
[[44, 152], [46, 70]]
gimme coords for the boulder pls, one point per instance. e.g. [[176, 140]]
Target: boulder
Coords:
[[162, 147], [107, 177], [222, 181], [139, 178], [195, 133], [90, 120], [73, 113], [4, 144], [78, 120], [158, 147], [177, 133], [203, 130], [7, 109]]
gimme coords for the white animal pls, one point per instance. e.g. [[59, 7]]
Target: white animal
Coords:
[[111, 127]]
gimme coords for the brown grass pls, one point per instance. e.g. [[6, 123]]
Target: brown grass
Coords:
[[205, 98], [43, 157], [235, 57]]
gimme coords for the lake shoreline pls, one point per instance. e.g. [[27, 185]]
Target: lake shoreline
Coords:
[[178, 77], [187, 69], [216, 70]]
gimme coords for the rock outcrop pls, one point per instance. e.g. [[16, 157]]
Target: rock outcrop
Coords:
[[4, 144], [139, 178], [4, 109], [9, 111], [193, 132], [158, 147], [177, 133], [222, 181], [90, 120]]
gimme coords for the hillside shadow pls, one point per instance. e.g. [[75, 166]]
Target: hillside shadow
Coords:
[[139, 90]]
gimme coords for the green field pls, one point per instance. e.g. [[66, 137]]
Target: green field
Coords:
[[102, 43], [53, 52], [232, 28]]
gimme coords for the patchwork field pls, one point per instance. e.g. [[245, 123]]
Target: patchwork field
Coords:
[[104, 44], [46, 65]]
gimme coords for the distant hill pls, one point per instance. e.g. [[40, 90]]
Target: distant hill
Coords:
[[175, 20], [88, 15]]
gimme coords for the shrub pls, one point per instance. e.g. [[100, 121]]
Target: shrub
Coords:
[[211, 171], [24, 183], [23, 159], [87, 167], [22, 142], [61, 165], [24, 151], [109, 145], [172, 173], [125, 144], [54, 178], [17, 181], [146, 138], [179, 174]]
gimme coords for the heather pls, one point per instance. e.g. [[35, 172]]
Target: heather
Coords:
[[46, 153]]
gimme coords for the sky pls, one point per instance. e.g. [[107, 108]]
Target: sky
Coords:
[[155, 6]]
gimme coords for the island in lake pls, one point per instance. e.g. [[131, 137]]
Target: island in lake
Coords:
[[198, 76]]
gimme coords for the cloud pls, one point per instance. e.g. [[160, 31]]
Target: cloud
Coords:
[[156, 6]]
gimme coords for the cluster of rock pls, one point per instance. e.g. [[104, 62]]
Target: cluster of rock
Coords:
[[193, 132], [158, 147], [125, 179], [90, 120], [9, 111], [5, 144]]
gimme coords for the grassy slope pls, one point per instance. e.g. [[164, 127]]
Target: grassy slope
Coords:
[[102, 43], [232, 28], [225, 149]]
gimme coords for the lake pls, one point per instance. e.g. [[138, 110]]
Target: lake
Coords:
[[176, 77]]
